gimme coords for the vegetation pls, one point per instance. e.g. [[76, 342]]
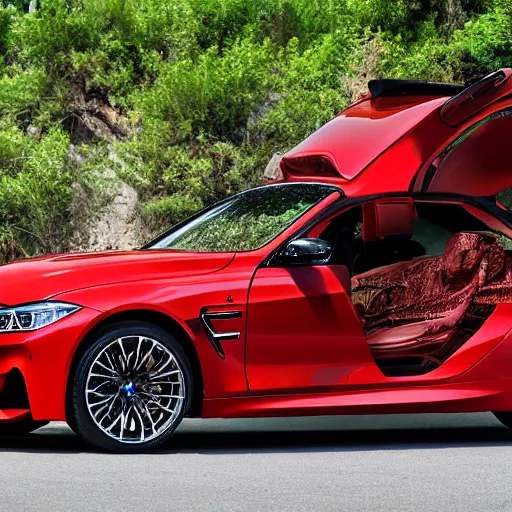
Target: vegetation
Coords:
[[186, 100]]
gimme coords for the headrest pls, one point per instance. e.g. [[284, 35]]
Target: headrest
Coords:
[[388, 219]]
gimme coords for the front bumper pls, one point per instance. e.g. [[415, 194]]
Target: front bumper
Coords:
[[43, 360]]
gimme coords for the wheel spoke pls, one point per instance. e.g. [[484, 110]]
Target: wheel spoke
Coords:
[[162, 383], [129, 358], [159, 366], [146, 357], [160, 406], [97, 393], [109, 410], [106, 406], [113, 372], [121, 434], [151, 395], [161, 375], [102, 401], [142, 427], [112, 362], [136, 363], [148, 415], [102, 376], [122, 357], [97, 387]]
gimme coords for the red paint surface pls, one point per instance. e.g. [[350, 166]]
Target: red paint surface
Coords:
[[302, 349]]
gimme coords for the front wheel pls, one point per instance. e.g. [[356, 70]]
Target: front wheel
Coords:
[[131, 388], [504, 417]]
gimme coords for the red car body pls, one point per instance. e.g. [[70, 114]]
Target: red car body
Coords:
[[301, 349]]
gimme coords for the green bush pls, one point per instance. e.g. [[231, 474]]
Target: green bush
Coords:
[[212, 95], [193, 96], [35, 191]]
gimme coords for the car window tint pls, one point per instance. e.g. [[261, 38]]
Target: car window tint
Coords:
[[246, 221], [433, 237], [437, 222], [505, 198]]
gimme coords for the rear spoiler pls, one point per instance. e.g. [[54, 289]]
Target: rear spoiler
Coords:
[[388, 87], [465, 101]]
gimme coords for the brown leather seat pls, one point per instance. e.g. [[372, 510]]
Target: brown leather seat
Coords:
[[416, 308]]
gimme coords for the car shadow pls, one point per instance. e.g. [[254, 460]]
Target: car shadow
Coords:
[[337, 440], [232, 442]]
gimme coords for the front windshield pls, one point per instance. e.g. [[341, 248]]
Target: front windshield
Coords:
[[246, 221]]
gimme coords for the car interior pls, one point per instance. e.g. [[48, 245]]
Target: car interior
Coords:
[[424, 276]]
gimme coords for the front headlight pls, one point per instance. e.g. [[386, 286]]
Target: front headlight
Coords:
[[34, 316]]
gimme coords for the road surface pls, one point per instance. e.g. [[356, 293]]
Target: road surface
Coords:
[[394, 463]]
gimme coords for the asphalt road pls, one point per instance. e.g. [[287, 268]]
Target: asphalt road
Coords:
[[416, 463]]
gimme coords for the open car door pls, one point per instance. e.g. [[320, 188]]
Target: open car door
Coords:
[[453, 135], [478, 159]]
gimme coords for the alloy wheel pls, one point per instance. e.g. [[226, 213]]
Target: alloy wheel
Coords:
[[135, 389]]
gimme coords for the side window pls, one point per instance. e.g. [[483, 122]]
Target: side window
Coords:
[[437, 222], [505, 198], [432, 236], [344, 234]]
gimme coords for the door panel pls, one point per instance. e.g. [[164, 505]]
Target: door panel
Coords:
[[302, 329], [475, 162]]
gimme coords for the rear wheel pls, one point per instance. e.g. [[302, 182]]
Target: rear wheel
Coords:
[[131, 389], [504, 417], [21, 428]]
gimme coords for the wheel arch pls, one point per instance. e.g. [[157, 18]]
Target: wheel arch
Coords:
[[159, 319]]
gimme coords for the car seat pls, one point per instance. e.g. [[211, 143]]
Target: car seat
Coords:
[[387, 232], [428, 307]]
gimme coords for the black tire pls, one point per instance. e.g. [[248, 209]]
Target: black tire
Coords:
[[504, 417], [80, 418], [20, 428]]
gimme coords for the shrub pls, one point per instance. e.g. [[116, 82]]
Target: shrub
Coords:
[[35, 191], [207, 90]]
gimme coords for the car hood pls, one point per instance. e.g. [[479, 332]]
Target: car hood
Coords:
[[41, 278]]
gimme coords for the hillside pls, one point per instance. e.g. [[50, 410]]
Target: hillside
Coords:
[[124, 116]]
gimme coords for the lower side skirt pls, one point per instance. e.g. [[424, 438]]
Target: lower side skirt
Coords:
[[477, 396]]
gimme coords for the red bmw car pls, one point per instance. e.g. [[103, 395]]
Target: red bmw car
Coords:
[[374, 277]]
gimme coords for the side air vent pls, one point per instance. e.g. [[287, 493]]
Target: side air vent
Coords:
[[215, 337], [309, 165]]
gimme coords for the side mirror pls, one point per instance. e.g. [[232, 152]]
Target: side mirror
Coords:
[[307, 250]]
